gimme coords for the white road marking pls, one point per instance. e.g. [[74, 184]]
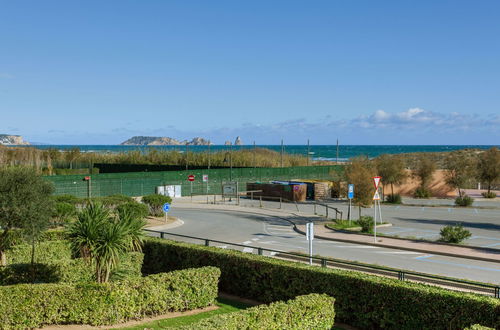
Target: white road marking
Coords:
[[399, 252], [248, 250], [358, 246], [246, 242]]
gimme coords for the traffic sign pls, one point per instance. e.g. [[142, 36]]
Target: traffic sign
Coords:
[[350, 191], [310, 231], [376, 181], [166, 207], [191, 177], [205, 177], [376, 196]]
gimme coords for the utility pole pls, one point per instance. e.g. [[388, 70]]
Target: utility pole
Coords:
[[281, 152], [308, 150], [254, 155], [337, 151], [208, 155], [187, 156]]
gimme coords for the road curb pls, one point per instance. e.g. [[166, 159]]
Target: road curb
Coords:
[[403, 248]]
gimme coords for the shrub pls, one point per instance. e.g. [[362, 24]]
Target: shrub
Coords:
[[490, 194], [135, 209], [155, 203], [64, 212], [454, 234], [361, 300], [366, 223], [30, 306], [478, 327], [394, 199], [66, 198], [422, 192], [314, 311], [464, 201]]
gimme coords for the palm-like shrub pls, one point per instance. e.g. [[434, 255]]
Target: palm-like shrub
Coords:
[[102, 238]]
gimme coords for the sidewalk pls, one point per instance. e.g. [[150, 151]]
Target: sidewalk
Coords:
[[299, 221]]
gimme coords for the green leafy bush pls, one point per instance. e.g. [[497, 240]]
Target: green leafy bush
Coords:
[[464, 201], [454, 234], [66, 198], [63, 212], [155, 203], [366, 223], [394, 199], [490, 194], [135, 209], [314, 311], [478, 327], [17, 237], [361, 300], [29, 306], [422, 192]]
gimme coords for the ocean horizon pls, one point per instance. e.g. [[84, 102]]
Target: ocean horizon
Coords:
[[316, 152]]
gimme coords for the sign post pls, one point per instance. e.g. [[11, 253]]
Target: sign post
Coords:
[[191, 179], [376, 200], [166, 208], [310, 237], [350, 195]]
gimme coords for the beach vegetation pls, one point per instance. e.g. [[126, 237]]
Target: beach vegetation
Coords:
[[392, 170], [464, 201], [454, 234], [424, 171], [489, 167], [490, 194], [460, 170], [360, 172], [394, 199]]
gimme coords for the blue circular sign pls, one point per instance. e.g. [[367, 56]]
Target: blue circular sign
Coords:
[[166, 207]]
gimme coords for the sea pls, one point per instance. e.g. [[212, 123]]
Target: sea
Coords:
[[316, 152]]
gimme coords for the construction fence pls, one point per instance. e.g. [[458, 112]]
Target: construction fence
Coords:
[[145, 183]]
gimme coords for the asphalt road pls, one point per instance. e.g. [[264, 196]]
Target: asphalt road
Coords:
[[416, 221], [254, 230]]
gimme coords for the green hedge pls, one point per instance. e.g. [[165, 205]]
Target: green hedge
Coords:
[[28, 306], [313, 311], [16, 236], [362, 300], [54, 264]]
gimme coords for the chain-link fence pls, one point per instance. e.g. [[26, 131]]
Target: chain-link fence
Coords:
[[144, 183]]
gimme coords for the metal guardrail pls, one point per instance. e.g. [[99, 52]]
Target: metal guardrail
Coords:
[[402, 275], [327, 207]]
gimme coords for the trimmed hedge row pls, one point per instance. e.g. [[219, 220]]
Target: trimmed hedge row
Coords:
[[28, 306], [314, 311], [16, 236], [364, 301]]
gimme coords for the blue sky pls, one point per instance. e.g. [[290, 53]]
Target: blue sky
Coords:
[[367, 72]]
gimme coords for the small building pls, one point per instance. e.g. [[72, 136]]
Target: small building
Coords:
[[288, 191]]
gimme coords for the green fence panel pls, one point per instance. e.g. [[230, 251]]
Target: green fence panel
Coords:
[[144, 183]]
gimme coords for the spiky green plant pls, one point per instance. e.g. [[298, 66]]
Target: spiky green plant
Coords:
[[103, 238]]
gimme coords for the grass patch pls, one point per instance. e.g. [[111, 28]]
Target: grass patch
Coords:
[[225, 306], [343, 224]]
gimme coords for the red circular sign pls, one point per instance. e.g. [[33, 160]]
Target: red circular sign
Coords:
[[191, 177]]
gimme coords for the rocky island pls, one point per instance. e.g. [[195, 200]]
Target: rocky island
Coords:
[[163, 141], [11, 140]]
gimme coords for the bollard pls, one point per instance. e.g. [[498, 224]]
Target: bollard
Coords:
[[326, 211], [314, 209], [261, 201], [281, 200]]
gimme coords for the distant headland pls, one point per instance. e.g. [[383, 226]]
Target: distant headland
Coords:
[[163, 141], [8, 140]]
